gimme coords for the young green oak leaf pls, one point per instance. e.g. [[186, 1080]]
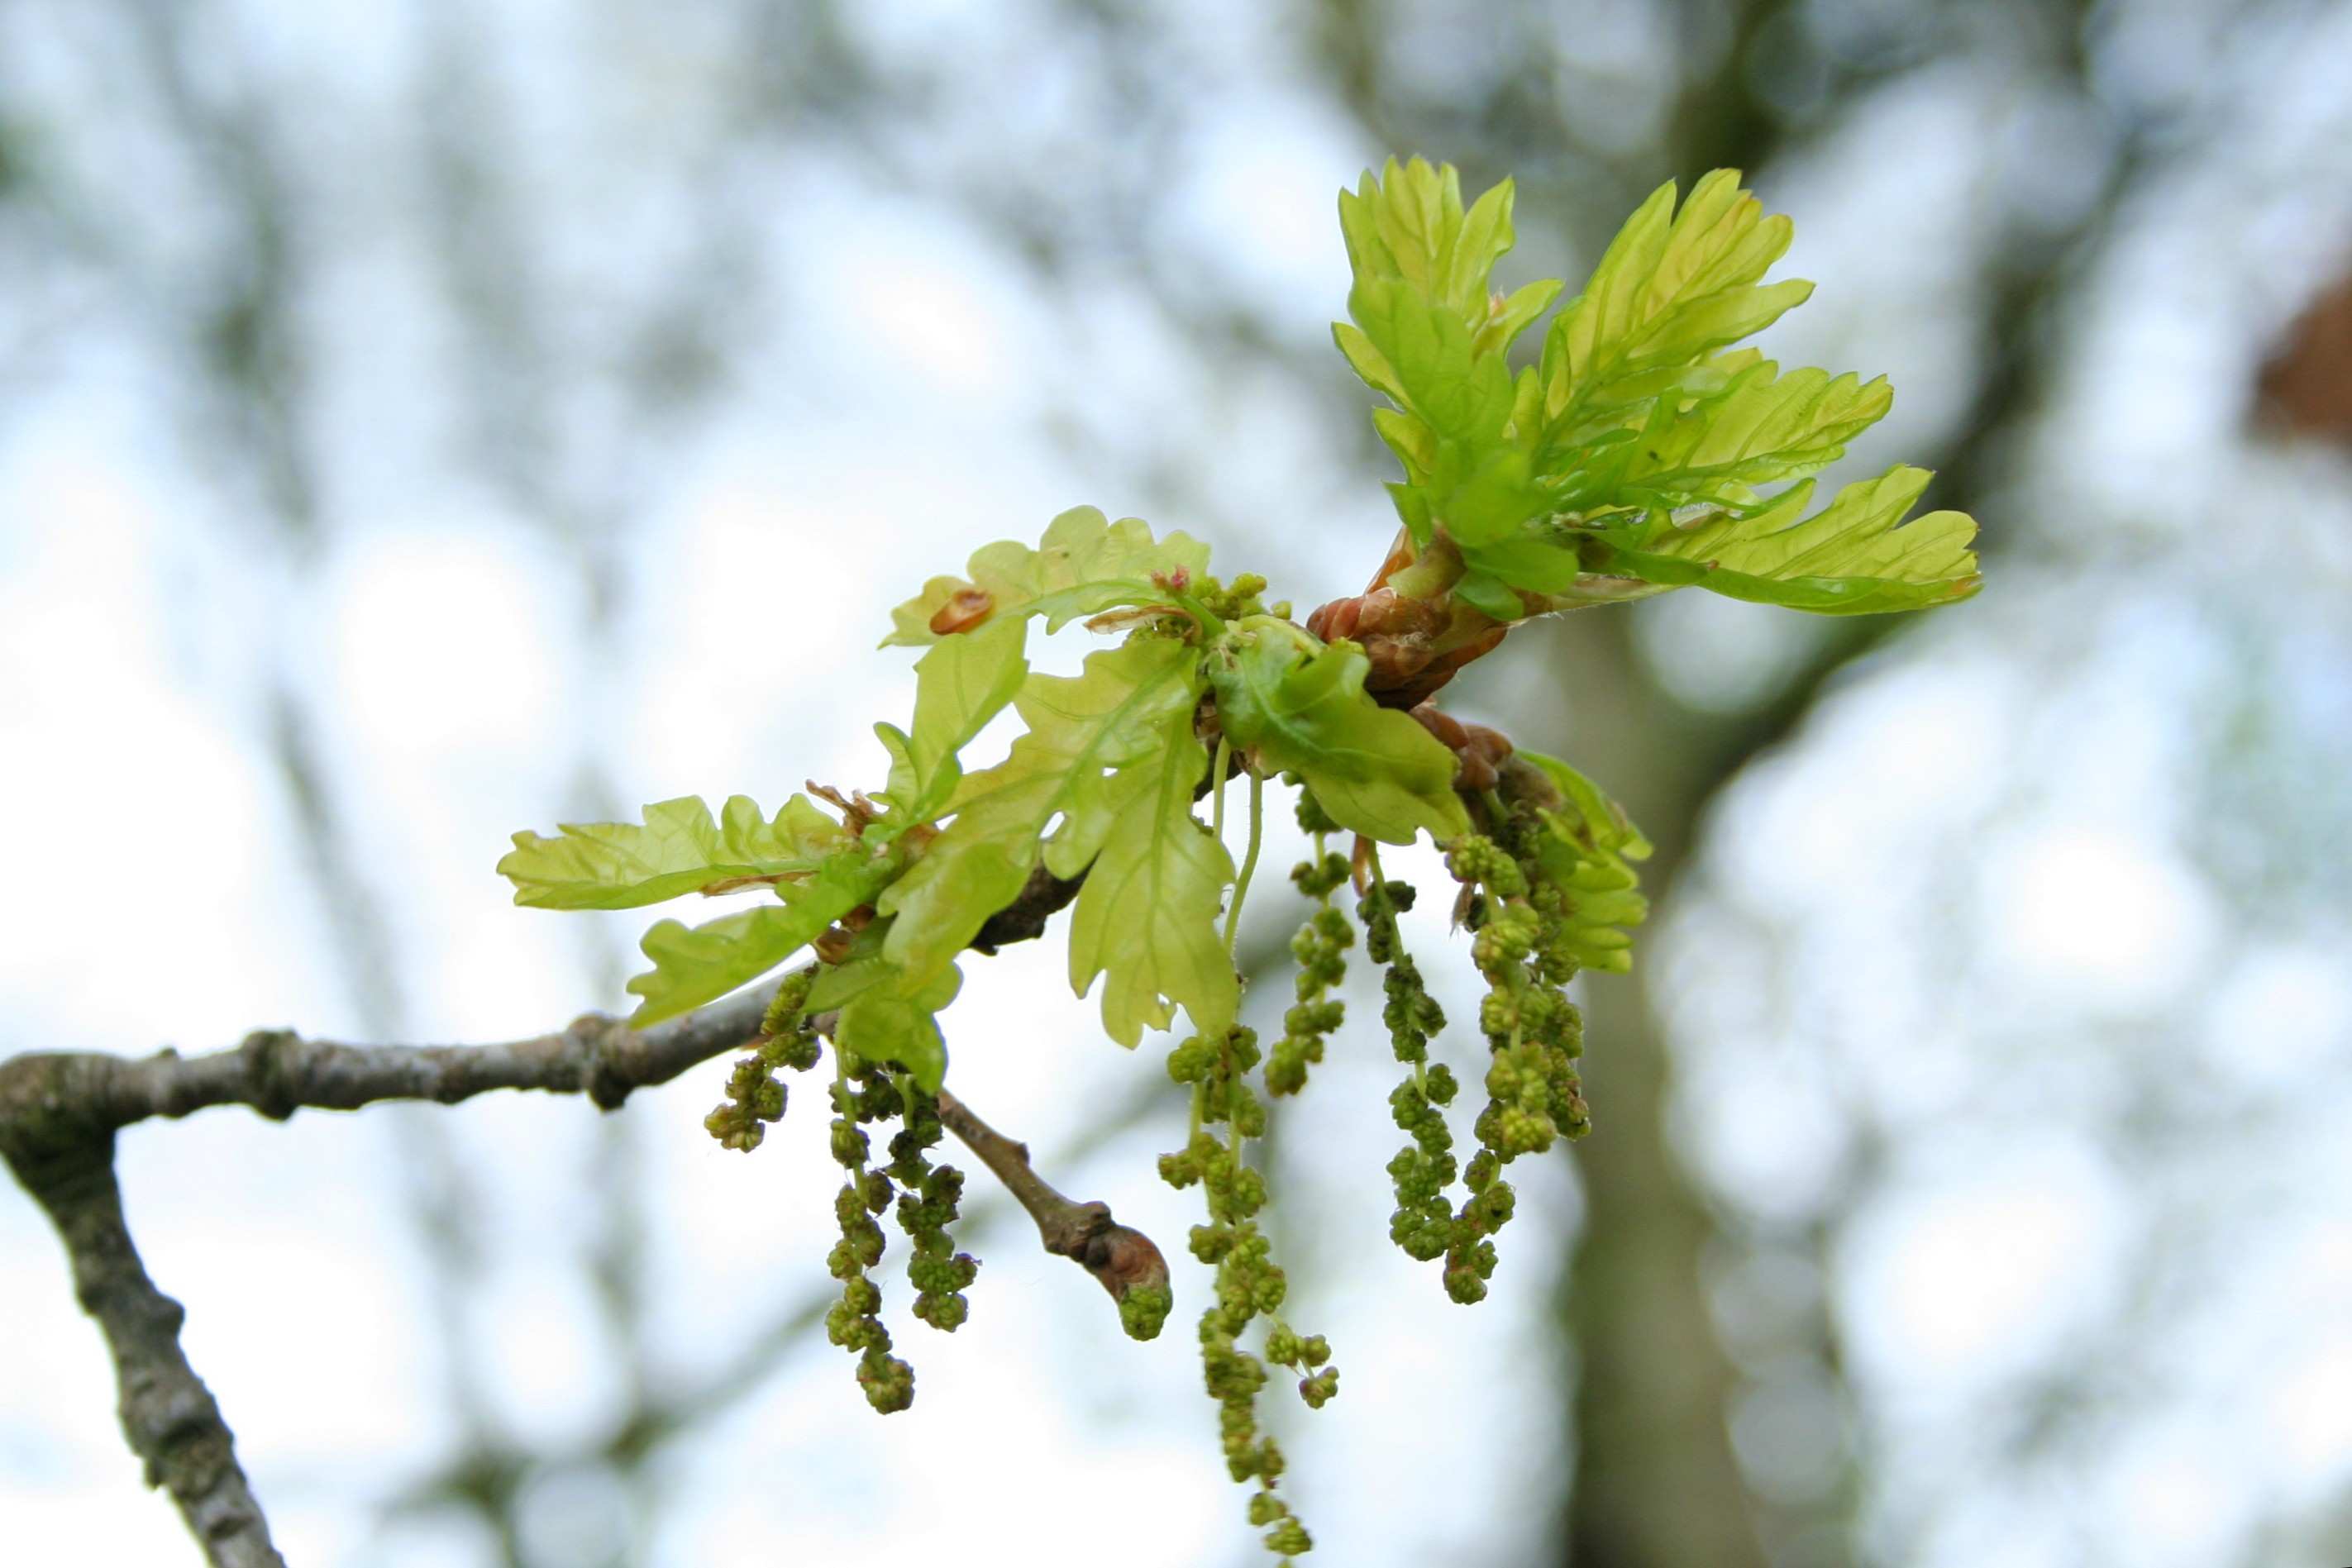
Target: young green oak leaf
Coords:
[[896, 1022], [678, 850], [961, 684], [1426, 332], [1301, 703], [1084, 565], [1583, 850], [1566, 483], [700, 964], [1599, 823], [1673, 287], [1422, 356], [884, 1026], [1408, 226], [1855, 557], [886, 1015], [1115, 715], [1760, 427], [1147, 917]]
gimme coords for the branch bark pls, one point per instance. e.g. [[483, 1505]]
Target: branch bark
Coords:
[[59, 1113], [168, 1414], [1122, 1257]]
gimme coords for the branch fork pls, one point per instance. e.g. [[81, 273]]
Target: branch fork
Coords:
[[59, 1113]]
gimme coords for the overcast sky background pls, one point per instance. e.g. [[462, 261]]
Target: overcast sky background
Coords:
[[2014, 996]]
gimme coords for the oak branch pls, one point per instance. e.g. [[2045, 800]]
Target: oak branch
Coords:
[[59, 1113]]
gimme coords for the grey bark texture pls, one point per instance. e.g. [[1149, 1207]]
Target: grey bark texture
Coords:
[[58, 1115], [60, 1112], [1121, 1257], [168, 1414]]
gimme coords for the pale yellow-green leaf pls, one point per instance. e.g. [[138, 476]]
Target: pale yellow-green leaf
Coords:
[[1115, 713], [1584, 851], [1145, 920], [676, 849], [1671, 289], [1856, 555], [1081, 549], [700, 964], [959, 685]]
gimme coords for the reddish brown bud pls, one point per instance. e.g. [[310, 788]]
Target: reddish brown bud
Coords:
[[1442, 725], [1480, 752], [1384, 612], [833, 944], [1336, 619], [965, 609], [1492, 745], [1484, 752], [1432, 674], [1413, 645], [1124, 1260], [1401, 554]]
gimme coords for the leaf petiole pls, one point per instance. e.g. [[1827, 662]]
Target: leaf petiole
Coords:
[[1249, 862], [1211, 626], [1217, 785]]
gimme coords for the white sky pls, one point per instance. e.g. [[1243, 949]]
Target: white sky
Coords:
[[1969, 993]]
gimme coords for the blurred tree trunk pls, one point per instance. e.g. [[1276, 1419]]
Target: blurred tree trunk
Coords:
[[1657, 1484]]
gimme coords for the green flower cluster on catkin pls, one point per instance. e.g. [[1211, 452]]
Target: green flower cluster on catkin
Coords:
[[927, 1207], [853, 1323], [1320, 948], [1249, 1285], [1533, 1031], [1425, 1224], [755, 1096]]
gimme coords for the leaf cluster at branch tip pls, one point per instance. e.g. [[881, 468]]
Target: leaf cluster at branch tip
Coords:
[[1639, 449], [1629, 459]]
